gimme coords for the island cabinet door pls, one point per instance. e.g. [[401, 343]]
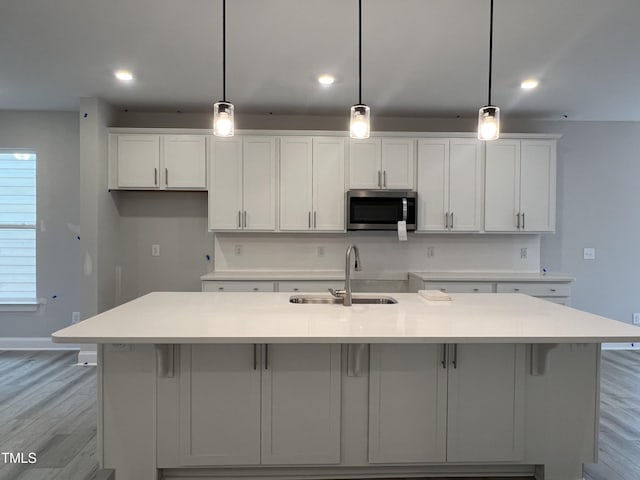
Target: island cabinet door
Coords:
[[407, 403], [301, 404], [485, 417], [219, 405]]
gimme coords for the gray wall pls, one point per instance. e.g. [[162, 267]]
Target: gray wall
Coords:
[[55, 137]]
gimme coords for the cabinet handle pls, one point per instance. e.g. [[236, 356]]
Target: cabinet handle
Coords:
[[220, 288], [239, 219], [518, 217], [552, 289], [166, 177], [446, 220], [255, 289], [266, 357], [451, 224], [379, 181], [255, 356], [443, 289], [384, 178], [155, 177], [244, 223], [516, 289], [315, 219], [295, 289], [523, 220], [444, 356], [475, 289], [309, 219], [455, 355]]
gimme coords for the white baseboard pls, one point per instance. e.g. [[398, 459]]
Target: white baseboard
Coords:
[[621, 346], [34, 343]]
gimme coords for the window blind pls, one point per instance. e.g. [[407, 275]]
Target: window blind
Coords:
[[17, 227]]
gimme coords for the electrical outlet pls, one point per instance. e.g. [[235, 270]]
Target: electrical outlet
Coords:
[[75, 317], [636, 318], [321, 251], [155, 250], [523, 252], [589, 253], [431, 251], [237, 249]]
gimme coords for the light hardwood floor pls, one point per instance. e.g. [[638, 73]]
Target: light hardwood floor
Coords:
[[48, 406]]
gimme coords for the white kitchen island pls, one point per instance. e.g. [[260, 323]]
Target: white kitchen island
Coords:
[[248, 385]]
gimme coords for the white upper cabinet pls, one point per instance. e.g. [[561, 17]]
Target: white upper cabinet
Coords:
[[138, 161], [449, 185], [312, 184], [158, 162], [242, 193], [385, 163], [520, 186], [185, 162]]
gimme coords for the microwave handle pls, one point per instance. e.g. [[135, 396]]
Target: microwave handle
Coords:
[[404, 209]]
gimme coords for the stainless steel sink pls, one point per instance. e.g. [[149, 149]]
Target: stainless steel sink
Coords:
[[356, 299]]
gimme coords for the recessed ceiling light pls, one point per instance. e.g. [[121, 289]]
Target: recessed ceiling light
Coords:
[[326, 79], [529, 84], [124, 75]]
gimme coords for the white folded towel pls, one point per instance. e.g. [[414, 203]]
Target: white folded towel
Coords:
[[435, 295]]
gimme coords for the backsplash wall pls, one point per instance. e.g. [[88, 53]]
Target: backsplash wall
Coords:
[[382, 255]]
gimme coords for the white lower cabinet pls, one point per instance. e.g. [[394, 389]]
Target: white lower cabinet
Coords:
[[252, 404], [456, 403]]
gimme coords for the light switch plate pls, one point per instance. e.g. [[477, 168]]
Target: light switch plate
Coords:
[[589, 253], [155, 250]]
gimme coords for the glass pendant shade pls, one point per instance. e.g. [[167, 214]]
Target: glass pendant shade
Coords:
[[360, 121], [489, 123], [223, 119]]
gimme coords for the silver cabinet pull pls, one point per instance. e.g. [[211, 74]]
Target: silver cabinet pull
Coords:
[[518, 217], [476, 289], [552, 289], [166, 177], [244, 223], [239, 219], [220, 288], [455, 355], [443, 289], [384, 178], [451, 224], [165, 360], [379, 181], [516, 289], [295, 289], [155, 177], [255, 356], [309, 219], [523, 220], [266, 357], [446, 220], [255, 289], [315, 219], [444, 356]]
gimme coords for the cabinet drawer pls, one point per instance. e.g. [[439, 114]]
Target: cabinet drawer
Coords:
[[460, 287], [309, 286], [239, 286], [536, 289]]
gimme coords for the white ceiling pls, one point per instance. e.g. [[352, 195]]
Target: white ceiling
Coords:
[[420, 57]]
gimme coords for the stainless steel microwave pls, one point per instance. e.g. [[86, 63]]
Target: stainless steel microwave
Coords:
[[380, 209]]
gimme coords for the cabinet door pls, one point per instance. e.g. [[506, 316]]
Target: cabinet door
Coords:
[[184, 162], [398, 163], [225, 184], [433, 184], [465, 185], [296, 172], [328, 184], [138, 161], [407, 403], [538, 185], [219, 405], [485, 419], [365, 169], [502, 185], [301, 404], [259, 182]]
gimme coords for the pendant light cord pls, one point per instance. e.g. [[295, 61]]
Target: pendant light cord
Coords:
[[490, 50], [224, 50], [360, 51]]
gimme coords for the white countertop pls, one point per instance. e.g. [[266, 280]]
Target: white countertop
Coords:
[[199, 317], [490, 277]]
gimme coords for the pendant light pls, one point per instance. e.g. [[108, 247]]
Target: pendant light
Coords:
[[489, 115], [223, 111], [360, 114]]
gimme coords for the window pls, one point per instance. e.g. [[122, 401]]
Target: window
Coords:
[[17, 227]]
